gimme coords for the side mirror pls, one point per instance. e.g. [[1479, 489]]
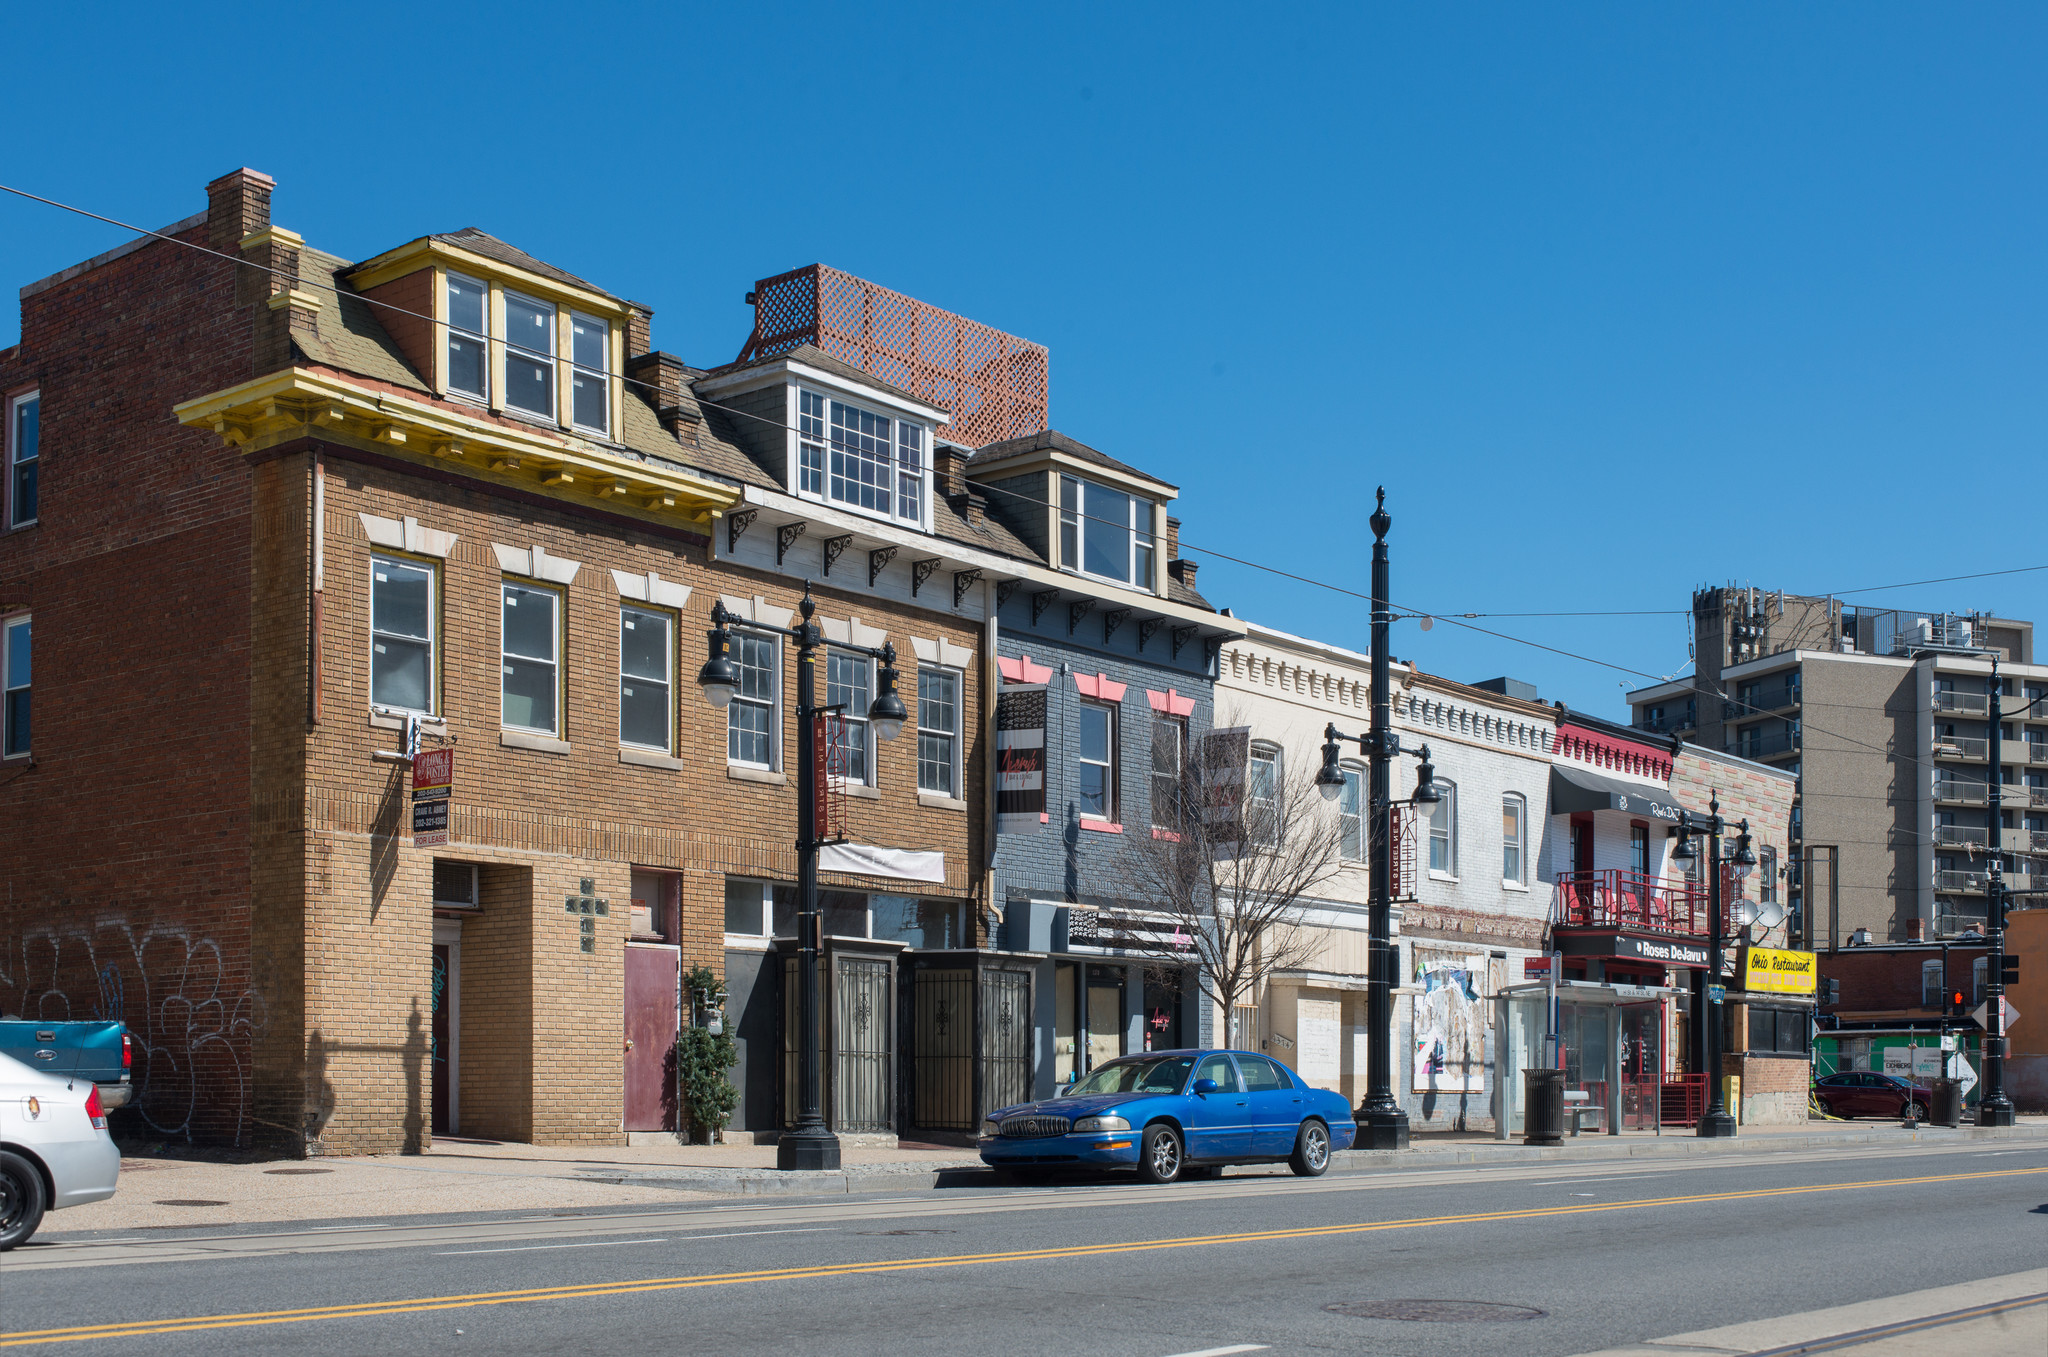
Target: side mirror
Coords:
[[1206, 1086]]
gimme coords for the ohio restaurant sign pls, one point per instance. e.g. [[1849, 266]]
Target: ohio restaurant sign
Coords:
[[1768, 970]]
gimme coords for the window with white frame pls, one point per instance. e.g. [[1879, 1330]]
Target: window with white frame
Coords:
[[1105, 533], [590, 346], [759, 909], [1931, 983], [529, 355], [646, 704], [861, 459], [468, 347], [1443, 830], [850, 680], [14, 681], [938, 730], [1169, 754], [1979, 971], [1096, 758], [1351, 816], [402, 629], [1767, 874], [24, 455], [1262, 794], [750, 720], [531, 658], [1513, 817]]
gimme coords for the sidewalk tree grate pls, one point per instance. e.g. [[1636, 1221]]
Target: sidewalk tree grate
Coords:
[[1435, 1311]]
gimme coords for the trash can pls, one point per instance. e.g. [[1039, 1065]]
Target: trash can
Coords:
[[1948, 1102], [1543, 1107]]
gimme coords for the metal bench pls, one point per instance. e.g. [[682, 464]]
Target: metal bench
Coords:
[[1578, 1105]]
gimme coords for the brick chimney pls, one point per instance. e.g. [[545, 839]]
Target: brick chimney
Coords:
[[949, 468], [1172, 539], [1182, 569], [237, 205], [1916, 929], [666, 387], [639, 330]]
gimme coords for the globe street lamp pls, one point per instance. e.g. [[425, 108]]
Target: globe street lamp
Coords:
[[811, 1143], [1716, 1121], [1382, 1124]]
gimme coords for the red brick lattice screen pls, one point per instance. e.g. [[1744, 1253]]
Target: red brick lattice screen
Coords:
[[993, 384]]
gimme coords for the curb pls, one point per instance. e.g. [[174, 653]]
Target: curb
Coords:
[[972, 1173]]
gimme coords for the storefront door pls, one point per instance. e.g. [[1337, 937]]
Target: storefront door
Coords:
[[1642, 1063], [1162, 1015], [651, 1031], [1105, 1015], [444, 1059]]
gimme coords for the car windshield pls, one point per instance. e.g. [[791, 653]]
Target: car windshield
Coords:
[[1163, 1074]]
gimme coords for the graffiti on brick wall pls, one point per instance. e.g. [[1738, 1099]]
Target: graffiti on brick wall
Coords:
[[192, 1024]]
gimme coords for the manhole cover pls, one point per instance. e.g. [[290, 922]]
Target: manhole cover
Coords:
[[190, 1201], [298, 1170], [888, 1232], [1435, 1311]]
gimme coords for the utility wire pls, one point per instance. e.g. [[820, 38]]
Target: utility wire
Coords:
[[1457, 621]]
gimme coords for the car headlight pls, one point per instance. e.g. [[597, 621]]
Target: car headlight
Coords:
[[991, 1128], [1102, 1124]]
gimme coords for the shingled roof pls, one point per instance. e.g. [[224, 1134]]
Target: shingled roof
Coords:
[[1052, 440]]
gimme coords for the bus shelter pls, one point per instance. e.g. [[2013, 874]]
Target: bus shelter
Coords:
[[1611, 1046]]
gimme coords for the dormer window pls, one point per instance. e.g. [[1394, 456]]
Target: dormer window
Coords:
[[529, 355], [1105, 533], [527, 367], [853, 456], [468, 300]]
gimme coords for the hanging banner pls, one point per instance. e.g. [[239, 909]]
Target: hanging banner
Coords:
[[433, 782], [1222, 764], [1020, 758]]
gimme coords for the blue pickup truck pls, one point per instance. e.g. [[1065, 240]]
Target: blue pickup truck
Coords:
[[99, 1051]]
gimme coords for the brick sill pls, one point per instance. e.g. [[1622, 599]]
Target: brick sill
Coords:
[[648, 758], [1101, 826], [764, 776], [937, 802], [545, 744]]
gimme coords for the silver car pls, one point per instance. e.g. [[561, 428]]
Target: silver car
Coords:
[[54, 1148]]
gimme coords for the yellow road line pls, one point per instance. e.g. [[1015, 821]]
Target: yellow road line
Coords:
[[369, 1309]]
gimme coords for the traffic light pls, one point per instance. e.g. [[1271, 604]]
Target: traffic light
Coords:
[[2009, 970], [1957, 1007], [1827, 991]]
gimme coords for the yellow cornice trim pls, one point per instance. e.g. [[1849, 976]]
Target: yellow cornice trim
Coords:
[[258, 414], [427, 252], [273, 234], [305, 301]]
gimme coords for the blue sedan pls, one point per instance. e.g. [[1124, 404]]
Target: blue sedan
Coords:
[[1173, 1114]]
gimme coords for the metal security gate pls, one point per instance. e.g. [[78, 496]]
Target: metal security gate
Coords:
[[1005, 1038], [942, 1042], [861, 1000]]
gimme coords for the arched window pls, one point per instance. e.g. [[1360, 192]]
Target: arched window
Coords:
[[1930, 983], [1978, 968]]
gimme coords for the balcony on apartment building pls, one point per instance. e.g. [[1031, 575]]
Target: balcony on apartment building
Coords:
[[1962, 704], [1757, 743], [1761, 699], [1975, 881], [1962, 836], [1977, 749]]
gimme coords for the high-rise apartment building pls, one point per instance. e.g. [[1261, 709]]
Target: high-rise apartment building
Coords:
[[1884, 717]]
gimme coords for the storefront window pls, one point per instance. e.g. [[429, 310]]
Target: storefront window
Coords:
[[921, 923]]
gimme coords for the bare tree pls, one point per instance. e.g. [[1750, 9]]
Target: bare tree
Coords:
[[1244, 843]]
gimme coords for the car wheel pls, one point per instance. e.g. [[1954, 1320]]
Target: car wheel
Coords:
[[1311, 1150], [1909, 1110], [21, 1200], [1159, 1160]]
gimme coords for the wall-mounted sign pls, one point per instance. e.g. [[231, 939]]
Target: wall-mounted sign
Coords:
[[433, 782], [1769, 970], [1628, 947], [1020, 758]]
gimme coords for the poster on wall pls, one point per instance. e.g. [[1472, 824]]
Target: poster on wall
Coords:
[[1020, 758], [1450, 1021]]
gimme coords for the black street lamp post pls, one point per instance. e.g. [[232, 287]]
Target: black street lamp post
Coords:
[[1995, 1108], [1716, 1121], [811, 1143], [1382, 1124]]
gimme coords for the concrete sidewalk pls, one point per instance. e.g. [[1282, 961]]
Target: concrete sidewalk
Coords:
[[458, 1175]]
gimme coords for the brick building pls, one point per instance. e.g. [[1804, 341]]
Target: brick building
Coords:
[[452, 489]]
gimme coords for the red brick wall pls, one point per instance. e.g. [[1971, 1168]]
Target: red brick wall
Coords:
[[126, 884], [409, 298]]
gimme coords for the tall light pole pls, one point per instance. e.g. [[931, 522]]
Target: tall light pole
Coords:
[[1716, 1121], [811, 1143], [1994, 1108], [1382, 1124]]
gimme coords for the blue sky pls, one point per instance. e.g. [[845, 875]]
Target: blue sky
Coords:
[[1616, 301]]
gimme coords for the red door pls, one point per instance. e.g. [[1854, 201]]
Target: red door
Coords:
[[651, 977]]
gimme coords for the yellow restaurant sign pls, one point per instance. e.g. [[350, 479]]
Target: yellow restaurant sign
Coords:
[[1771, 971]]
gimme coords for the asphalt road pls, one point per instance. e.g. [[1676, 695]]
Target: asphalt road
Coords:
[[1608, 1253]]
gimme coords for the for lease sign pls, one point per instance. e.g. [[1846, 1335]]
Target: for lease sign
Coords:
[[1770, 970]]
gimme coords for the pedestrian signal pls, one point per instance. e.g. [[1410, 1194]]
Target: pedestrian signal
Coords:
[[1957, 1008]]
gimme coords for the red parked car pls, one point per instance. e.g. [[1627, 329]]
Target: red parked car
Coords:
[[1866, 1093]]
